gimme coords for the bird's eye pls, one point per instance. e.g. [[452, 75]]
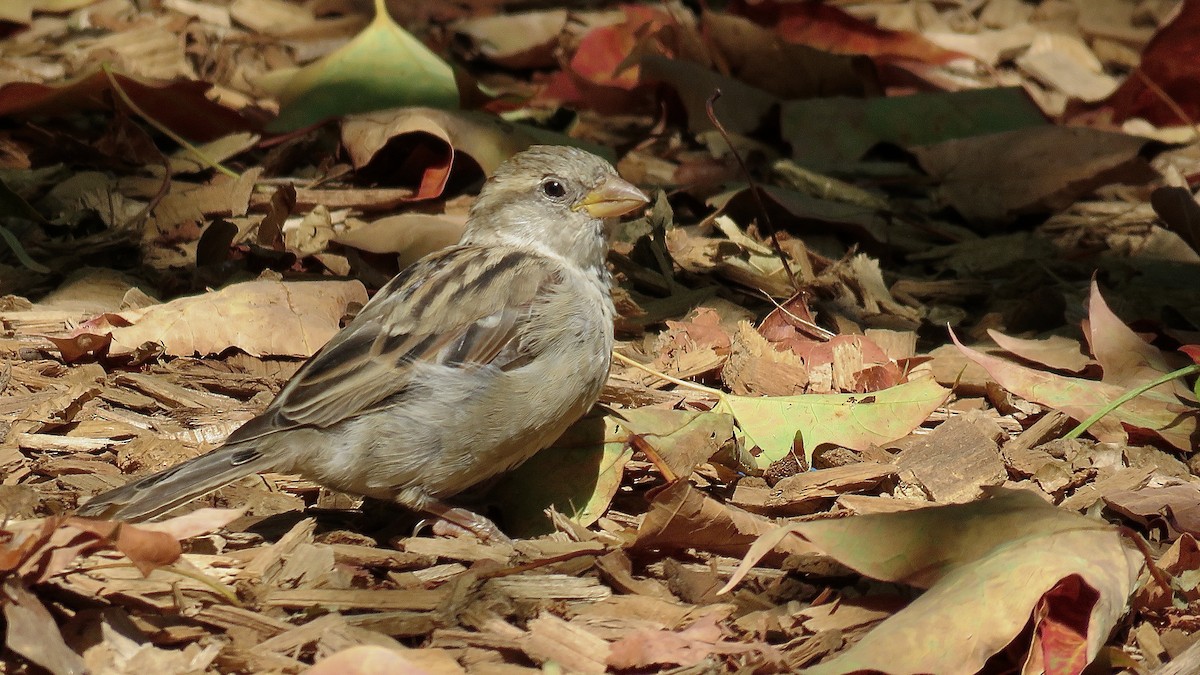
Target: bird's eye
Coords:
[[553, 189]]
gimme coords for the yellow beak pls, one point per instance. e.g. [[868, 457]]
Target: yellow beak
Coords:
[[615, 197]]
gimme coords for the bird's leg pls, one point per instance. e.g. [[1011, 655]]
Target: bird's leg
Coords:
[[456, 517], [462, 519]]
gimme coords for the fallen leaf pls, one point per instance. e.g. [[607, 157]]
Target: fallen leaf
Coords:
[[259, 317], [1162, 86], [996, 177], [687, 647], [32, 632], [906, 121], [600, 74], [829, 28], [682, 517], [1177, 506], [181, 106], [428, 148], [1056, 351], [519, 41], [1127, 360], [855, 421], [382, 67], [1020, 554], [993, 564], [1080, 398], [752, 53], [1177, 208], [741, 109], [1167, 411], [587, 464], [410, 236]]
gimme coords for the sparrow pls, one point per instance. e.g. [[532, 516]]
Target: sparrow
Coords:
[[460, 368]]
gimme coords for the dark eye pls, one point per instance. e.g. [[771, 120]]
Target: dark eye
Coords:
[[553, 188]]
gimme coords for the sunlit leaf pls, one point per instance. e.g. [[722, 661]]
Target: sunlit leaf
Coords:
[[851, 420]]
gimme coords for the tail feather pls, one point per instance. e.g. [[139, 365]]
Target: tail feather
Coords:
[[158, 493]]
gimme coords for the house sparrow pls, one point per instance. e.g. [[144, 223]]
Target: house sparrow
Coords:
[[462, 367]]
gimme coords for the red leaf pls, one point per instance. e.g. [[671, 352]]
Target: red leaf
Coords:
[[825, 27], [601, 75], [1171, 60], [181, 106], [1062, 618], [1193, 352]]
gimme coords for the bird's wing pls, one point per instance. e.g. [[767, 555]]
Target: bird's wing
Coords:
[[462, 307]]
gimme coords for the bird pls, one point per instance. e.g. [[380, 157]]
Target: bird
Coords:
[[463, 366]]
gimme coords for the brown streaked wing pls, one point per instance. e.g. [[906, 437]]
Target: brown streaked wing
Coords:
[[446, 309]]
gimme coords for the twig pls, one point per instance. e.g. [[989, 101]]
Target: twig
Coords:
[[204, 159], [673, 380], [754, 189], [1155, 572], [822, 334]]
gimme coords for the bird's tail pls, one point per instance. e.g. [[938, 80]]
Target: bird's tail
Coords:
[[157, 493]]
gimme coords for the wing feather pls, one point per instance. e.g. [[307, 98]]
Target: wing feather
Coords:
[[422, 315]]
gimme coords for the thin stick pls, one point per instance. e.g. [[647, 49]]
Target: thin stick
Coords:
[[673, 380], [754, 189], [822, 334], [204, 159]]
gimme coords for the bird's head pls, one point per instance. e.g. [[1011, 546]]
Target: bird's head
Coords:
[[554, 198]]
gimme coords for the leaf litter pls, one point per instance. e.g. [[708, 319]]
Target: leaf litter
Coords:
[[793, 467]]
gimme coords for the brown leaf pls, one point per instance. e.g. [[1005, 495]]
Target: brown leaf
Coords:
[[682, 517], [1128, 360], [518, 41], [181, 106], [688, 647], [1035, 170], [428, 149], [600, 74], [410, 236], [1178, 506], [259, 317], [32, 632], [1056, 351]]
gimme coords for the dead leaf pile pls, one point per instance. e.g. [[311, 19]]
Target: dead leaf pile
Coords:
[[795, 466]]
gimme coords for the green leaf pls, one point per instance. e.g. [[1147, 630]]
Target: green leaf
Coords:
[[851, 420], [918, 119], [382, 67]]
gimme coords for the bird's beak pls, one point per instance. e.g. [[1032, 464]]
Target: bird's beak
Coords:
[[615, 197]]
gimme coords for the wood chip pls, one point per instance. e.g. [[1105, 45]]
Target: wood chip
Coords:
[[955, 462], [811, 491], [569, 645], [549, 587], [467, 549], [379, 600]]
